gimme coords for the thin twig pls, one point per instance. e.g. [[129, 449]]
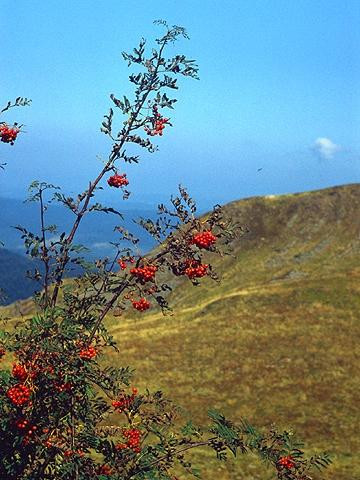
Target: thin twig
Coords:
[[164, 457], [45, 257], [92, 185]]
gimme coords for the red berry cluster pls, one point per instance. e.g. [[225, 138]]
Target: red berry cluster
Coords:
[[22, 423], [62, 387], [141, 305], [195, 269], [145, 274], [29, 430], [204, 239], [29, 369], [118, 180], [125, 401], [158, 123], [8, 134], [88, 353], [19, 372], [19, 394], [104, 470], [49, 441], [2, 352], [287, 462], [133, 436], [123, 262]]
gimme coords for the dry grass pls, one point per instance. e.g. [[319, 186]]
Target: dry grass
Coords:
[[286, 354]]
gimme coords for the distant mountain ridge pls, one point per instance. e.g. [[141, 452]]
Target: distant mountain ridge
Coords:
[[97, 229], [96, 233], [290, 236]]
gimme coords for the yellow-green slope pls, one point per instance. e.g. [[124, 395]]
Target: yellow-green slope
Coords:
[[277, 340]]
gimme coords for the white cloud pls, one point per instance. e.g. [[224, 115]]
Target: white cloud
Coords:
[[101, 245], [325, 148]]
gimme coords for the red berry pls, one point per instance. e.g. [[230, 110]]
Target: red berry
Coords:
[[19, 394], [204, 239], [104, 470], [118, 180], [158, 123], [8, 134], [122, 264], [124, 401], [19, 372], [88, 353], [141, 305], [22, 423], [62, 387], [144, 274], [287, 462], [133, 436], [195, 269]]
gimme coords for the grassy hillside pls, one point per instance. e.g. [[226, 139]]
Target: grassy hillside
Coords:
[[277, 341]]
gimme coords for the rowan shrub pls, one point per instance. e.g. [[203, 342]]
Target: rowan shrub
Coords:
[[58, 401]]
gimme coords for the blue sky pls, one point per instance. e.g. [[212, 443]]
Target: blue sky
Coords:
[[279, 91]]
